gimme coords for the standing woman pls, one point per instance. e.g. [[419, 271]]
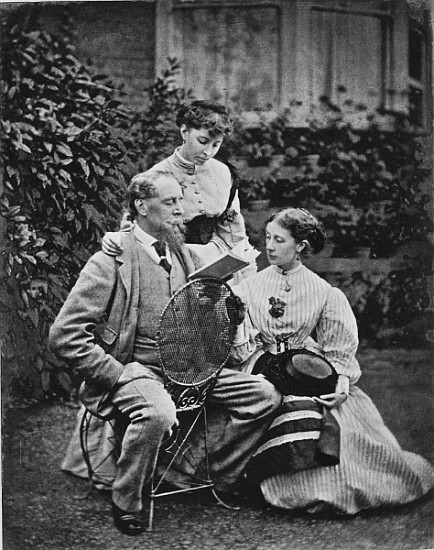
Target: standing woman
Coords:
[[211, 205], [286, 304]]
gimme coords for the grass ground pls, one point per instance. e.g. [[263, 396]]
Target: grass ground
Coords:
[[40, 513]]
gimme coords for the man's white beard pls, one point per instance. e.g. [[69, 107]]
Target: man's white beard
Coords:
[[174, 235]]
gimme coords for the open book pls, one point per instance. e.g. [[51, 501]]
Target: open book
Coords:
[[227, 264], [223, 267]]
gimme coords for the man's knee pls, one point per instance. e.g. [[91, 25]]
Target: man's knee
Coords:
[[164, 417], [160, 417]]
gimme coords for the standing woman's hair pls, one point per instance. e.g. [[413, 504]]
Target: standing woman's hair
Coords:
[[205, 114], [303, 227]]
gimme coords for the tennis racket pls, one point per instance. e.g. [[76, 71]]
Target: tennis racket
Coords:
[[195, 334]]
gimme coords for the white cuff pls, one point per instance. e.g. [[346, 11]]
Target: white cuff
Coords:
[[343, 385], [241, 336]]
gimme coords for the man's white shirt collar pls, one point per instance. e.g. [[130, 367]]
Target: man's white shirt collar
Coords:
[[147, 241]]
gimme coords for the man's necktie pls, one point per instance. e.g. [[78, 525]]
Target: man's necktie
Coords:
[[160, 247]]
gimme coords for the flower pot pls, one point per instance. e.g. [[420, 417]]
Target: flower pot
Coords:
[[257, 205]]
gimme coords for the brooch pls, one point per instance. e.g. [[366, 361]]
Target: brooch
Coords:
[[277, 307], [229, 215]]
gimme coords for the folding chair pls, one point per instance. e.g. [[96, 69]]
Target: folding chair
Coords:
[[195, 334]]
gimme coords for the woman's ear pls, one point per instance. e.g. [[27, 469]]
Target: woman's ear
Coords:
[[183, 130], [303, 245]]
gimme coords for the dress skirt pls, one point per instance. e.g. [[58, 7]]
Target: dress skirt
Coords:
[[373, 470]]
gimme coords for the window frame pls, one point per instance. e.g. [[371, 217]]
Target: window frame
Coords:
[[420, 85]]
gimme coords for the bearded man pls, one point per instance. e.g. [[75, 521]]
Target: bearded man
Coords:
[[120, 366]]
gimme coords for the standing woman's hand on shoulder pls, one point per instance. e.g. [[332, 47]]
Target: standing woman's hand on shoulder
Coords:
[[111, 243]]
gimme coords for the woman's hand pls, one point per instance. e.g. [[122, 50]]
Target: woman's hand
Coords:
[[111, 244], [236, 309], [331, 400]]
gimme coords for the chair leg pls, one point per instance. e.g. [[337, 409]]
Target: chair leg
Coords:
[[151, 513], [205, 440], [222, 502], [84, 427], [208, 473], [95, 465], [205, 479], [179, 447]]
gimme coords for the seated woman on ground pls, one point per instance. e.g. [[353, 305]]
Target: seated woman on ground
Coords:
[[287, 303]]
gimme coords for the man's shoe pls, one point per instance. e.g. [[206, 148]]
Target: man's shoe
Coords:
[[128, 523]]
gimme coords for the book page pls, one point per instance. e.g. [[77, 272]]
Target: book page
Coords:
[[223, 267]]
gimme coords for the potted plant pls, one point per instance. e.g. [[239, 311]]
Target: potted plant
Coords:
[[363, 232], [254, 193], [345, 222]]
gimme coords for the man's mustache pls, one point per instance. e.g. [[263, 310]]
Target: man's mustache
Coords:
[[177, 223], [174, 233]]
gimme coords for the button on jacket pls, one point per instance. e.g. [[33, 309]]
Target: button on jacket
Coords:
[[206, 193]]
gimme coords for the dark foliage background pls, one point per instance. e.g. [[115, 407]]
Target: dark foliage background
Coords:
[[67, 156]]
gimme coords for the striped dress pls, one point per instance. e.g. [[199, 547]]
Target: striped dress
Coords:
[[373, 470]]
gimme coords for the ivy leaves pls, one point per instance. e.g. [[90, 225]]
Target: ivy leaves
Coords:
[[64, 135]]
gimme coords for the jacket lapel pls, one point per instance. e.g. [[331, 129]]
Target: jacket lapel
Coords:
[[186, 260], [125, 264]]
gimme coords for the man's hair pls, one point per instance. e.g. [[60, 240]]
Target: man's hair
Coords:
[[144, 186]]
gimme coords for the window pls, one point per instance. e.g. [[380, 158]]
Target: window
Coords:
[[417, 74], [228, 53], [349, 57]]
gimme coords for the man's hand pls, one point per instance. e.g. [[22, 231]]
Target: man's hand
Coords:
[[111, 244]]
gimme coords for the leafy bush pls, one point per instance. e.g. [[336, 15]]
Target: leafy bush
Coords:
[[362, 174], [388, 304], [362, 170], [376, 171], [66, 158]]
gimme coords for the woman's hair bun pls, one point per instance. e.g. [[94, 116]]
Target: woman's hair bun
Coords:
[[202, 113], [303, 226]]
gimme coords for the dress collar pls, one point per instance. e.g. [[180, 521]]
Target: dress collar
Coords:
[[183, 164], [287, 272]]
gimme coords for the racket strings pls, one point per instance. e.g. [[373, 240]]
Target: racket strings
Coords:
[[196, 332]]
